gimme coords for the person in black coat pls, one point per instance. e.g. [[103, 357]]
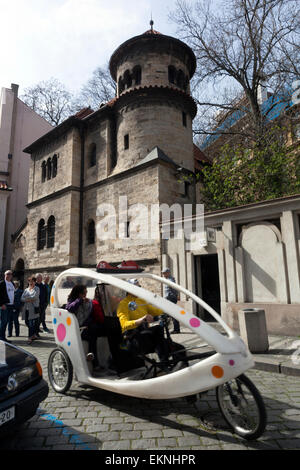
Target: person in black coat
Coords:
[[43, 303], [14, 319], [7, 291]]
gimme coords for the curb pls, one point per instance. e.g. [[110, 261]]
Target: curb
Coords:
[[269, 365]]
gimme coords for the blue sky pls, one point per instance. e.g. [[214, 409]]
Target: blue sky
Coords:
[[68, 39]]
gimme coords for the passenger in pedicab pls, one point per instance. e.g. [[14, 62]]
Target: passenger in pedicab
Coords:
[[95, 324], [105, 323], [81, 306], [134, 323]]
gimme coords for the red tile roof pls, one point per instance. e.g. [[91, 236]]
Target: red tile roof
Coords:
[[151, 31], [84, 112]]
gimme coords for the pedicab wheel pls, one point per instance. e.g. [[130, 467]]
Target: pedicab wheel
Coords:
[[60, 370], [242, 407]]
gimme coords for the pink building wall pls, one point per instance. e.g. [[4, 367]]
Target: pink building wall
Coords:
[[19, 127]]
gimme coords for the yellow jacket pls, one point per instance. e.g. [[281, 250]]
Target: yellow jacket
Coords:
[[127, 317]]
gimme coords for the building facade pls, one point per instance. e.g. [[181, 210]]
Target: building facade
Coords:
[[250, 259], [132, 147], [19, 126]]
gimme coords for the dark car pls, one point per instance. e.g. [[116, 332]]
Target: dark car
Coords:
[[22, 386]]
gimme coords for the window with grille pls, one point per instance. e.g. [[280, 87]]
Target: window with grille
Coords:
[[41, 235], [137, 74], [44, 171], [92, 155], [126, 141], [51, 232], [54, 166], [91, 233], [171, 73], [49, 168]]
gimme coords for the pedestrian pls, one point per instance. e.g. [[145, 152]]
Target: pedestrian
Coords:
[[171, 295], [48, 287], [43, 303], [7, 291], [14, 320], [31, 298]]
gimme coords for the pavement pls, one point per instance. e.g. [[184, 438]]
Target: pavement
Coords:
[[93, 419]]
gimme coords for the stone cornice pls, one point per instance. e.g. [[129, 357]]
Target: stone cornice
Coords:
[[50, 196], [137, 95]]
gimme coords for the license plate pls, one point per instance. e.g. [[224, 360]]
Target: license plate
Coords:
[[7, 415]]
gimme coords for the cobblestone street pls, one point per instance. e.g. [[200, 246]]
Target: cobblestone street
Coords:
[[92, 419]]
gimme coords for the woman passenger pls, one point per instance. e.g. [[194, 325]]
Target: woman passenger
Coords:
[[108, 326], [80, 305]]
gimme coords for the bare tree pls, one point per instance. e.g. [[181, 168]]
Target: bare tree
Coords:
[[98, 89], [50, 99], [247, 45]]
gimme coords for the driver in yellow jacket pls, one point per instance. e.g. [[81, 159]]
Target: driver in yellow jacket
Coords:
[[142, 339]]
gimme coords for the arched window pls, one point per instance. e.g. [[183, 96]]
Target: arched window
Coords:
[[41, 235], [44, 171], [186, 84], [127, 79], [180, 79], [92, 155], [171, 73], [51, 232], [121, 85], [49, 168], [54, 165], [137, 74], [91, 233]]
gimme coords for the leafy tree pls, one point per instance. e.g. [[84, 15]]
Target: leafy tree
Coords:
[[240, 176]]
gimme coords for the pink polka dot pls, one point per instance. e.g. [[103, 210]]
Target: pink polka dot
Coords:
[[61, 332], [195, 322], [231, 362]]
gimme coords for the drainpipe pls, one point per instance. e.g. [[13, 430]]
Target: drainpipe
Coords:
[[80, 237], [10, 156], [111, 143]]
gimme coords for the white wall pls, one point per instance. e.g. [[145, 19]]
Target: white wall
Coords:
[[29, 127]]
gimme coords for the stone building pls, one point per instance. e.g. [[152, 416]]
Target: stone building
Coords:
[[250, 258], [19, 126], [132, 146]]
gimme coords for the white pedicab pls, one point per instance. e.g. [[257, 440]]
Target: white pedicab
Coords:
[[239, 400]]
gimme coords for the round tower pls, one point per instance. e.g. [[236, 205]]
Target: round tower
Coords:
[[153, 104]]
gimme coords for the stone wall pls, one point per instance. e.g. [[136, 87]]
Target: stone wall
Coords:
[[96, 134], [257, 248], [149, 125], [154, 68], [65, 209], [136, 187], [66, 174]]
